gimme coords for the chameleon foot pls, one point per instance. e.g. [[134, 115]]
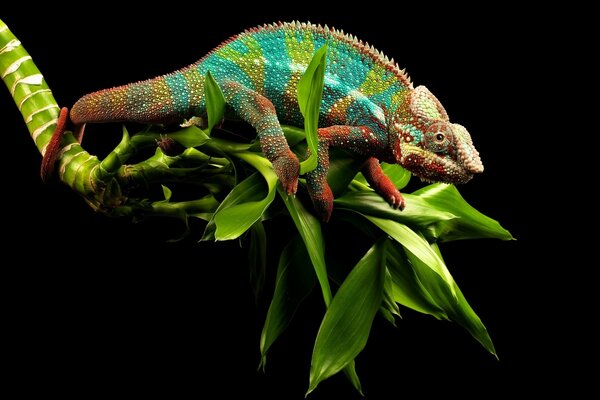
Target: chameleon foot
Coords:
[[287, 168], [382, 184], [323, 202], [396, 200]]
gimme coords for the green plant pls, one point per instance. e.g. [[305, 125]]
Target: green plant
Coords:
[[226, 182]]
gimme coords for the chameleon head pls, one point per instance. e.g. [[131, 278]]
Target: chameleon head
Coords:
[[425, 142]]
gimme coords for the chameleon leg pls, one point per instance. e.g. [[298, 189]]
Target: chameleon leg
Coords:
[[53, 147], [382, 184], [259, 112], [358, 139]]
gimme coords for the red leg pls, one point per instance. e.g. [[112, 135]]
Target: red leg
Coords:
[[53, 147], [259, 112], [358, 139], [382, 184]]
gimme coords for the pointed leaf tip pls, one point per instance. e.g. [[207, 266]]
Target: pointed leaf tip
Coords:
[[293, 284], [310, 90], [470, 224], [347, 322], [167, 193]]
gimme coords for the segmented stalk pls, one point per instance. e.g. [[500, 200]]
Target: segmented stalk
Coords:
[[28, 88], [105, 185], [36, 103]]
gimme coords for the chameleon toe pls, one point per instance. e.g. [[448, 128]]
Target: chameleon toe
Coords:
[[287, 169]]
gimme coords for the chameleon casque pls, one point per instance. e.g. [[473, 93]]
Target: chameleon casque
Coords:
[[369, 107]]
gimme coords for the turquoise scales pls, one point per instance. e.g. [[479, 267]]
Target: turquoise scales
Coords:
[[369, 107]]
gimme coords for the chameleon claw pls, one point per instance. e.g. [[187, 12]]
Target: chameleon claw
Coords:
[[401, 204], [287, 169], [396, 201]]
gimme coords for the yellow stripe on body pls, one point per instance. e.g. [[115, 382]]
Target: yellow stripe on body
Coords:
[[378, 80], [300, 50], [252, 62], [161, 92]]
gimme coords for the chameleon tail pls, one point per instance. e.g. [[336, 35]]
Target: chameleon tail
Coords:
[[148, 102], [161, 100], [53, 147]]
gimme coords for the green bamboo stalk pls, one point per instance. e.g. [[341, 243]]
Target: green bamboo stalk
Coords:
[[104, 184], [28, 88], [39, 109]]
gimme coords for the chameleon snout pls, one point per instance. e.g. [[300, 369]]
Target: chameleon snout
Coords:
[[468, 155]]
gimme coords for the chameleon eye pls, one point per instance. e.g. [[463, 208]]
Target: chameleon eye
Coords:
[[438, 138]]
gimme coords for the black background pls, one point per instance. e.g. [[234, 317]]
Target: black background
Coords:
[[96, 305]]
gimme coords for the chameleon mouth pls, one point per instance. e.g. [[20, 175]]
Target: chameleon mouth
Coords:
[[452, 172], [463, 179], [435, 168]]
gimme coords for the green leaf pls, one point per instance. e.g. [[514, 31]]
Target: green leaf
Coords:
[[418, 213], [293, 134], [407, 289], [343, 167], [215, 101], [389, 307], [167, 193], [398, 175], [470, 224], [250, 191], [415, 245], [257, 256], [416, 286], [350, 372], [234, 219], [347, 322], [309, 228], [295, 280], [114, 160], [451, 300], [310, 89], [192, 136]]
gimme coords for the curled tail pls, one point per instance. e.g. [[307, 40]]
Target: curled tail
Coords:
[[53, 147]]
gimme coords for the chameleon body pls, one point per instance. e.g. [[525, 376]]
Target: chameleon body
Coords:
[[369, 107]]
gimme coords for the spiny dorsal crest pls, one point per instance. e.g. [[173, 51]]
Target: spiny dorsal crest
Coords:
[[351, 40]]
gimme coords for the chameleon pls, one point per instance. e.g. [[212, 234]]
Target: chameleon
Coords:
[[369, 107]]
